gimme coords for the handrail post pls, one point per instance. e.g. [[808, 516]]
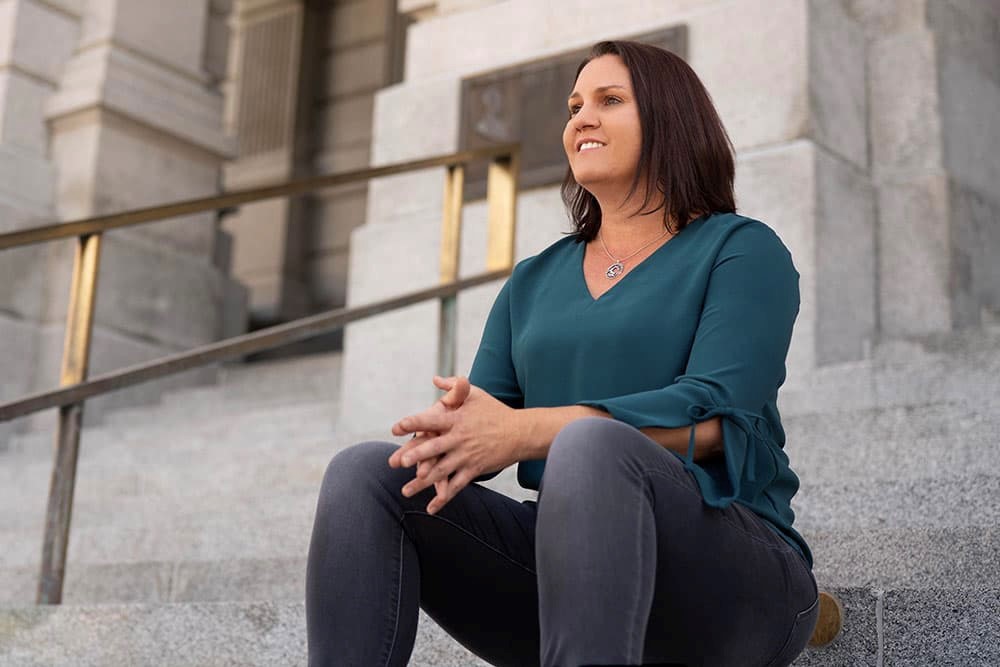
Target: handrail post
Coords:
[[451, 243], [501, 191], [76, 357]]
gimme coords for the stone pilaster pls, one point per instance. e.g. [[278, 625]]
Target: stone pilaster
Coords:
[[134, 121], [30, 68], [935, 135]]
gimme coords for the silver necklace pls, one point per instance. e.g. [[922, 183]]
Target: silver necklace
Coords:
[[618, 265]]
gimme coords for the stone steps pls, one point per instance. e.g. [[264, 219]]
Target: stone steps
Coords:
[[242, 533], [914, 557], [932, 626], [200, 412], [309, 377], [880, 460], [281, 458], [897, 626], [211, 494], [321, 371], [928, 502], [881, 443], [883, 558], [232, 579], [960, 500], [929, 545], [207, 525], [234, 430], [221, 634], [863, 385], [910, 422]]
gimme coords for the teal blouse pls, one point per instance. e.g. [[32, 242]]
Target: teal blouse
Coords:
[[698, 329]]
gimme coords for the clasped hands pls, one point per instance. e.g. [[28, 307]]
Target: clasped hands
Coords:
[[466, 433]]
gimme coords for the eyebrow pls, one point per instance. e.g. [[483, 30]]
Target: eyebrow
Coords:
[[598, 90]]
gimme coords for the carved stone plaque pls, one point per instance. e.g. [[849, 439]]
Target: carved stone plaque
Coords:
[[526, 104]]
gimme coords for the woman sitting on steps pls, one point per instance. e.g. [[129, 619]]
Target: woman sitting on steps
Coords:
[[631, 371]]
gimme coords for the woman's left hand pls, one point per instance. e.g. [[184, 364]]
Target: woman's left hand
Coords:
[[474, 434]]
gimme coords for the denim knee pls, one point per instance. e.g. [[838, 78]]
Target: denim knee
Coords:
[[351, 470], [586, 451], [591, 441]]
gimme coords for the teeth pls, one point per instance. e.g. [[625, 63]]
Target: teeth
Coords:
[[590, 144]]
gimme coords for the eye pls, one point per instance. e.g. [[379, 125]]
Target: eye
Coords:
[[573, 110], [610, 99]]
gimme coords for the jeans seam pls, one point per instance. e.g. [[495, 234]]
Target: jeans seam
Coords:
[[475, 537], [640, 488], [791, 632], [780, 546], [399, 596]]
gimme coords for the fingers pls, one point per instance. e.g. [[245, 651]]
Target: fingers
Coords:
[[458, 481], [425, 421], [446, 480], [396, 459], [430, 449], [444, 383], [434, 419], [424, 468], [436, 471], [457, 389]]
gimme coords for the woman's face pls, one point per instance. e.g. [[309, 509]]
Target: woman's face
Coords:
[[603, 136]]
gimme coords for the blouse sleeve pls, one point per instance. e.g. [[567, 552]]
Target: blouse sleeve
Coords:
[[736, 364], [493, 368]]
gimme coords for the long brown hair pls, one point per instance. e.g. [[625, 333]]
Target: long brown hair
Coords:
[[686, 154]]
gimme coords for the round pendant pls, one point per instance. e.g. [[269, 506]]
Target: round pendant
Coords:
[[614, 270]]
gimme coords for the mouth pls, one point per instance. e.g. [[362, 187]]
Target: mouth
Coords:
[[588, 145]]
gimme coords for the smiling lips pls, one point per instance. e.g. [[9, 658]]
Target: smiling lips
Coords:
[[588, 145]]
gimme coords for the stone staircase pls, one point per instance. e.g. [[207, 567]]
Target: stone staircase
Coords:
[[192, 518]]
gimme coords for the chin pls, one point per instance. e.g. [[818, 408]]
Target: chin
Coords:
[[590, 177], [594, 183]]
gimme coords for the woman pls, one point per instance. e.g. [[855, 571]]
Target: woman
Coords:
[[636, 364]]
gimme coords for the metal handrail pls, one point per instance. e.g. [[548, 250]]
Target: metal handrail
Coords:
[[230, 348], [101, 223], [75, 389]]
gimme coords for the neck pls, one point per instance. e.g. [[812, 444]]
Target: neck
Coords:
[[623, 229]]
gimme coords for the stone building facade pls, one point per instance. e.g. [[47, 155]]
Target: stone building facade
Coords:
[[109, 105], [867, 136]]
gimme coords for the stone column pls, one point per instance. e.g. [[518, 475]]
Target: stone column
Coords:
[[811, 181], [788, 79], [270, 79], [136, 121], [934, 78], [30, 67]]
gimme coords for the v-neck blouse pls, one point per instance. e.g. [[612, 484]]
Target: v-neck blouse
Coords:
[[698, 329]]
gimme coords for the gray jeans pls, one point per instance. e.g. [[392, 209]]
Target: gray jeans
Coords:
[[618, 563]]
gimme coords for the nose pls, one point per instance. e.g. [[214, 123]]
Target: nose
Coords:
[[586, 117]]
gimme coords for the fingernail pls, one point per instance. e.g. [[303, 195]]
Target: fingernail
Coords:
[[406, 492], [408, 460]]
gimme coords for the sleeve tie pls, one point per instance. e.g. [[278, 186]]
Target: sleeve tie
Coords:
[[746, 437]]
